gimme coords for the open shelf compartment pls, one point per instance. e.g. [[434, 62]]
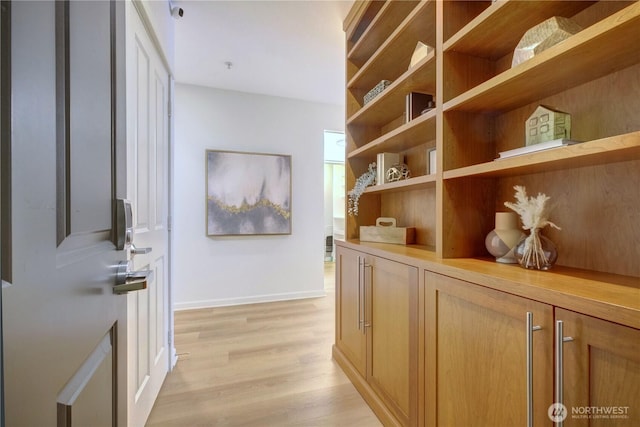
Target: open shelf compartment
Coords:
[[386, 20], [393, 57], [581, 58], [613, 149]]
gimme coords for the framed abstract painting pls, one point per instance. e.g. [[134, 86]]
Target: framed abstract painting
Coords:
[[248, 193]]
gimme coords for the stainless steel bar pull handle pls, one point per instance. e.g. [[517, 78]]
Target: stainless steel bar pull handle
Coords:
[[530, 330], [363, 296], [359, 319], [560, 340], [364, 300]]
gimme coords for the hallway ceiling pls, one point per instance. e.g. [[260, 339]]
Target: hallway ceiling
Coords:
[[292, 49]]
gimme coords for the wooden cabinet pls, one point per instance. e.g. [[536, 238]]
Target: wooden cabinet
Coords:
[[462, 328], [476, 368], [350, 337], [377, 332], [392, 300], [477, 362], [601, 371], [473, 313]]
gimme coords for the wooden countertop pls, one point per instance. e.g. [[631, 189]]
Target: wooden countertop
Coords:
[[611, 297]]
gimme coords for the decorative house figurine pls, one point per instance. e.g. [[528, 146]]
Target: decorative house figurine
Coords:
[[541, 37], [547, 124]]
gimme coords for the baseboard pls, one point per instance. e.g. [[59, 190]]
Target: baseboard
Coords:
[[194, 305]]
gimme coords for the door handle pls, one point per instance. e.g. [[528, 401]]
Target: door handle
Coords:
[[128, 281], [130, 286], [139, 251], [365, 325], [529, 334], [559, 380], [359, 320]]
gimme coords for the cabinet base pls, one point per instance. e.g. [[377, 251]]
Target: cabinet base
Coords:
[[377, 406]]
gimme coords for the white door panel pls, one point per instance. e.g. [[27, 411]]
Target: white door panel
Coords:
[[147, 172]]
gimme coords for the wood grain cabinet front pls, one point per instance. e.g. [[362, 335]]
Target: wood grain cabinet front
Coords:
[[478, 359], [498, 359], [600, 371], [350, 337], [377, 332], [392, 332]]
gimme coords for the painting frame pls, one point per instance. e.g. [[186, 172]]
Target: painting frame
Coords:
[[247, 193]]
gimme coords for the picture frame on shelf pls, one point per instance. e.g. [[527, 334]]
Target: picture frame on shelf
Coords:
[[416, 104], [384, 161], [432, 161], [247, 193]]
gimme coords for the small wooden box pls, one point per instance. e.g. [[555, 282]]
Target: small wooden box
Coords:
[[385, 231]]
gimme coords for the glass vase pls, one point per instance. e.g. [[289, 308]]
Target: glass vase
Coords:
[[536, 251]]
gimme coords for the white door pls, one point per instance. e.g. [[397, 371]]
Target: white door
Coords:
[[147, 180], [63, 324]]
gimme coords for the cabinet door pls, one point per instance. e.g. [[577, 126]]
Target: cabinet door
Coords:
[[476, 356], [601, 372], [392, 322], [350, 337]]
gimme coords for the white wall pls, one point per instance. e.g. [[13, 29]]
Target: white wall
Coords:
[[234, 270]]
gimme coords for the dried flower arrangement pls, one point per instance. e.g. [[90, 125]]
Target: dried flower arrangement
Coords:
[[366, 179], [534, 213]]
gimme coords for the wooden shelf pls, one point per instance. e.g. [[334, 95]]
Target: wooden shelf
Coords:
[[388, 18], [409, 135], [618, 148], [358, 19], [585, 74], [390, 104], [394, 55], [424, 181], [583, 57], [496, 31], [397, 252]]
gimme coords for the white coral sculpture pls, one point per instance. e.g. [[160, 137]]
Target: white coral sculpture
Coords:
[[366, 179], [534, 213]]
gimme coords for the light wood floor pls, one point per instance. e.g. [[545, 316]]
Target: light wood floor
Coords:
[[263, 365]]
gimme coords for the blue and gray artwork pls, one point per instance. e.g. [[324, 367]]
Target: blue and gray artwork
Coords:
[[248, 193]]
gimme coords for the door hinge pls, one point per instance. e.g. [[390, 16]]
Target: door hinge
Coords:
[[170, 339], [169, 222]]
